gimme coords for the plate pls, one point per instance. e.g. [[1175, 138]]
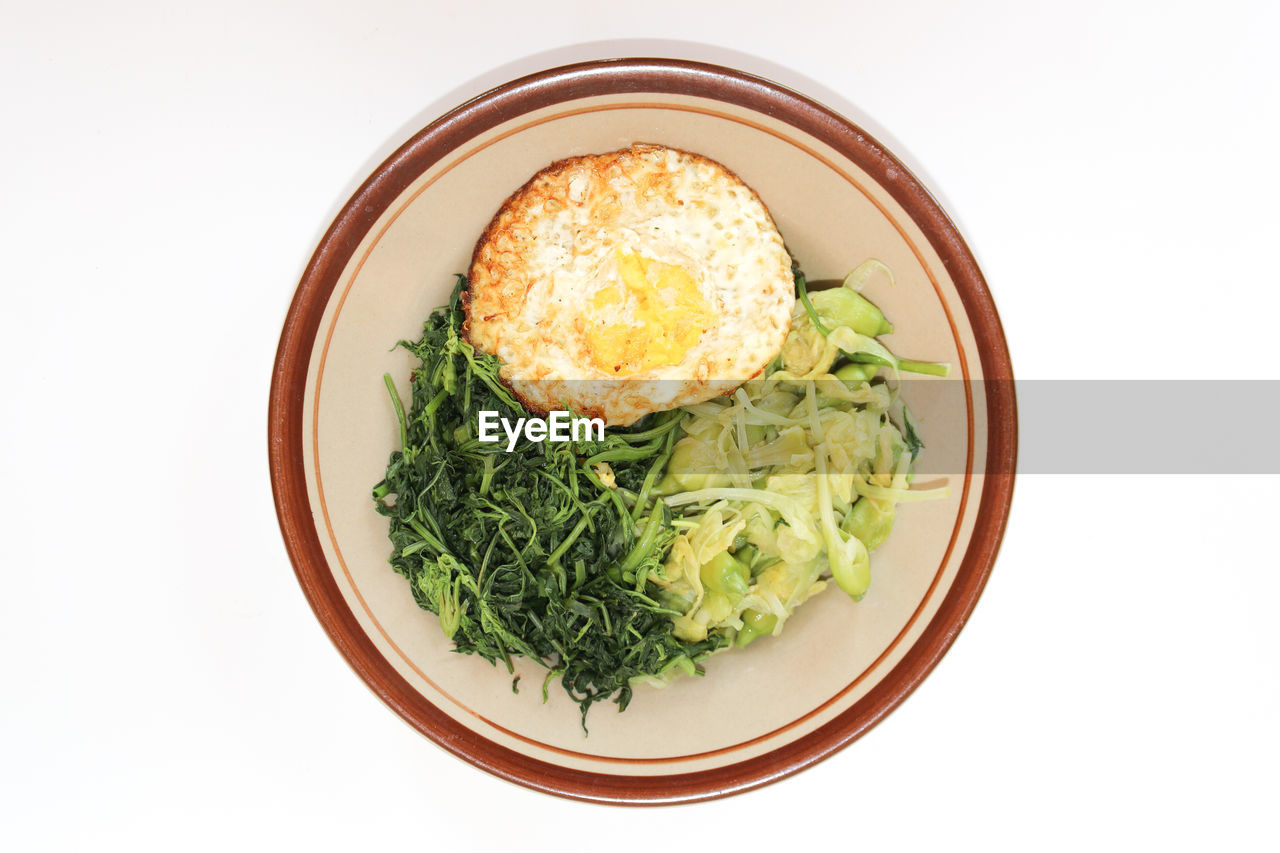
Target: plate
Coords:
[[389, 258]]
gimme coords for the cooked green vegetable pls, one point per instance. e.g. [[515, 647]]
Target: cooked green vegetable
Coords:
[[812, 459], [842, 320], [528, 552], [630, 560]]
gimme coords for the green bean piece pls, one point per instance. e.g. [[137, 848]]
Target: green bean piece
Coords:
[[755, 624], [853, 374], [726, 575], [692, 466], [869, 520], [724, 581], [853, 576], [746, 554], [844, 307]]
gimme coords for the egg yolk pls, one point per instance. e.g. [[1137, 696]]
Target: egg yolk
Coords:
[[648, 318]]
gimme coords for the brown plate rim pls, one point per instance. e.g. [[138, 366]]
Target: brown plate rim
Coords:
[[436, 141]]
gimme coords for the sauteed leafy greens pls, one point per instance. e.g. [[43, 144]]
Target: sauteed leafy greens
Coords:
[[527, 552]]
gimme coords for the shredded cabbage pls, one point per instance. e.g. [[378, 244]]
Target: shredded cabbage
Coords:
[[790, 481]]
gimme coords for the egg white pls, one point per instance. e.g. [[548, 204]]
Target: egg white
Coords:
[[550, 295]]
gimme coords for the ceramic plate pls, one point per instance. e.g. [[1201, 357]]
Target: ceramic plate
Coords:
[[759, 714]]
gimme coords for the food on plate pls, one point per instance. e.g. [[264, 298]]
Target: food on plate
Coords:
[[647, 264], [703, 518], [793, 479]]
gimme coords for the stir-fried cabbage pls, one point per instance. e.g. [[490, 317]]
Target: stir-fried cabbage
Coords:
[[792, 481]]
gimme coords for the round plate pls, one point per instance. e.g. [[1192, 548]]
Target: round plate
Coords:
[[758, 714]]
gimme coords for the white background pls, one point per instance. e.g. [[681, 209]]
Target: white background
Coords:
[[166, 173]]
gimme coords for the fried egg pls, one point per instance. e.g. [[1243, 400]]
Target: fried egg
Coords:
[[615, 285]]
